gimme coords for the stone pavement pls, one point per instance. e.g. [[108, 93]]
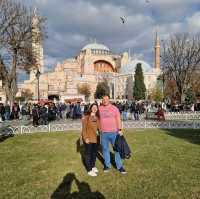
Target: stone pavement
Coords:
[[29, 122]]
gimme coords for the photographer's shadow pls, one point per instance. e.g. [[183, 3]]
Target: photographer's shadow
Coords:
[[63, 191]]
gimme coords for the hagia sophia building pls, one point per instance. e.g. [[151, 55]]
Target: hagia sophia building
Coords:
[[94, 63]]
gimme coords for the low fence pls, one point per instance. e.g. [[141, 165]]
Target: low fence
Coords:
[[183, 115], [127, 125]]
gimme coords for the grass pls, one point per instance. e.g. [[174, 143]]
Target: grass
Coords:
[[164, 164]]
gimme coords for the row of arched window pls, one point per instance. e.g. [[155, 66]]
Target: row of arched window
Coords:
[[102, 52]]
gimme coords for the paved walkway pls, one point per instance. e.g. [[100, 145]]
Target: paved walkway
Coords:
[[29, 122]]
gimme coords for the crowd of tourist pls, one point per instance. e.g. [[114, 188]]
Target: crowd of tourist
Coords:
[[43, 113]]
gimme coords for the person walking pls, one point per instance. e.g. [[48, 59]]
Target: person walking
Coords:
[[110, 126], [137, 111], [35, 114], [15, 111], [7, 111], [2, 112], [90, 126]]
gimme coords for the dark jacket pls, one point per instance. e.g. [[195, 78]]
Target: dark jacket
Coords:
[[122, 147]]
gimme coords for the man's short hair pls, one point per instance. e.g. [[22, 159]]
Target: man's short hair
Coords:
[[106, 96]]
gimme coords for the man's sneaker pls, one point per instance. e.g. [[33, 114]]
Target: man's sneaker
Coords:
[[106, 169], [94, 169], [92, 173], [122, 170]]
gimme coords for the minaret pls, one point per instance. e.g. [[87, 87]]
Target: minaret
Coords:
[[37, 47], [157, 53]]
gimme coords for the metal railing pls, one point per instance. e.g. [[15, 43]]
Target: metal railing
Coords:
[[184, 115], [126, 125]]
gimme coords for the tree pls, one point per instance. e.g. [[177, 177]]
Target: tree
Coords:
[[190, 97], [27, 94], [170, 90], [156, 94], [16, 37], [85, 90], [102, 89], [139, 88], [195, 83], [181, 60]]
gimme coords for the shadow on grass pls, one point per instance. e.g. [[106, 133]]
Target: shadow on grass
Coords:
[[81, 149], [5, 133], [190, 135], [63, 191]]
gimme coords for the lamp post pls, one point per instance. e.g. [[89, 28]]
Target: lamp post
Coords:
[[163, 84], [37, 75], [163, 79]]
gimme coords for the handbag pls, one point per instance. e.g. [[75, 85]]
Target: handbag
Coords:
[[79, 144]]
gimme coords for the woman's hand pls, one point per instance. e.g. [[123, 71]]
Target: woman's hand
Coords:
[[87, 141], [120, 132]]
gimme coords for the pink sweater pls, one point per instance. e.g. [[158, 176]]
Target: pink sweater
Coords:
[[108, 118]]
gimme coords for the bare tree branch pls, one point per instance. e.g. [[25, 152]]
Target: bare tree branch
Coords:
[[181, 59], [17, 34]]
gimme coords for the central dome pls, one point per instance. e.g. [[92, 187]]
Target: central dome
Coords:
[[95, 46]]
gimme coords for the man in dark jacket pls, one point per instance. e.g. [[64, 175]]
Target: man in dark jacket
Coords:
[[43, 115], [2, 112], [7, 112], [15, 111], [136, 111], [35, 114]]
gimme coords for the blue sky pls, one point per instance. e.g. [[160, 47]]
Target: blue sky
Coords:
[[71, 24]]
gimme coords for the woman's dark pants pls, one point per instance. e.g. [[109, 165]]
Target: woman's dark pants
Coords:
[[90, 155]]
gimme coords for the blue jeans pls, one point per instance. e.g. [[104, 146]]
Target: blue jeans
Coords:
[[7, 115], [106, 138], [136, 115], [125, 115]]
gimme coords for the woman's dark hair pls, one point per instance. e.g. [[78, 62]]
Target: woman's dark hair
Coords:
[[90, 110]]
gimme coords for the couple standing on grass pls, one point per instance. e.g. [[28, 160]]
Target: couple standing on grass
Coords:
[[106, 119]]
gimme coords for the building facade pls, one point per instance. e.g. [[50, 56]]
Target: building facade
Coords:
[[94, 63]]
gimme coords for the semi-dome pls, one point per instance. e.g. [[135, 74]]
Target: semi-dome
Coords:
[[95, 46], [130, 67]]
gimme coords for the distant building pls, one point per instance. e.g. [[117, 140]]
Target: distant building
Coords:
[[93, 64]]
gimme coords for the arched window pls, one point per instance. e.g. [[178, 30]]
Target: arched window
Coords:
[[103, 66]]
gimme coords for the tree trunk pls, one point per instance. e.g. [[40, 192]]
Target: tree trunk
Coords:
[[182, 98], [11, 90]]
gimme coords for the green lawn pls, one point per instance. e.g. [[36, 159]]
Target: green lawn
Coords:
[[164, 164]]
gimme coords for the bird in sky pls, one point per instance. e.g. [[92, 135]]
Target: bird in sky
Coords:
[[122, 19], [147, 1]]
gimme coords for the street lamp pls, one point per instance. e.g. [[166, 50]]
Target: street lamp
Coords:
[[163, 83], [37, 75], [162, 78]]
